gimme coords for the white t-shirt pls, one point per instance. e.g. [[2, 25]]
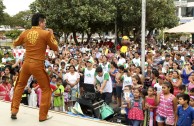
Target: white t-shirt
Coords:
[[108, 87], [127, 81], [121, 61], [72, 78], [89, 76], [158, 87], [136, 61]]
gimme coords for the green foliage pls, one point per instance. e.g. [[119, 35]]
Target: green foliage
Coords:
[[2, 7], [21, 19], [13, 34], [90, 16]]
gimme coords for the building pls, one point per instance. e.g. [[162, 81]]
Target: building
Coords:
[[185, 10]]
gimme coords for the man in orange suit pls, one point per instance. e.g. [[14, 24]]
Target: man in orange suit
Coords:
[[35, 41]]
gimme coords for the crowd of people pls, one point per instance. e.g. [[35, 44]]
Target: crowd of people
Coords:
[[162, 95]]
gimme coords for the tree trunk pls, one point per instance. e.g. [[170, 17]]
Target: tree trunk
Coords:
[[66, 37], [82, 37], [89, 36], [75, 38]]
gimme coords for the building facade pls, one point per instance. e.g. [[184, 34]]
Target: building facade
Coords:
[[185, 10]]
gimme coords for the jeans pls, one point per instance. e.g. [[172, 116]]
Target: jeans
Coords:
[[135, 122]]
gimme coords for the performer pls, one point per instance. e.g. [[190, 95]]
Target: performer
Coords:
[[35, 41]]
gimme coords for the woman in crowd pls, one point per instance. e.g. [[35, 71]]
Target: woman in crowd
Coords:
[[176, 82]]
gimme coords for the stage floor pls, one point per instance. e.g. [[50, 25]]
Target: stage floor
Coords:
[[29, 117]]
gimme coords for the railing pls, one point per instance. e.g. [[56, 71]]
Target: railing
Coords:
[[180, 3]]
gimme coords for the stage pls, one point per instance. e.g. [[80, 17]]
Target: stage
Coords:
[[29, 117]]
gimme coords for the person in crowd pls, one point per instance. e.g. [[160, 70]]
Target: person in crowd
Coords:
[[58, 100], [136, 60], [191, 81], [158, 86], [36, 40], [104, 84], [176, 82], [150, 107], [136, 82], [166, 106], [105, 64], [5, 88], [135, 106], [89, 76], [155, 75], [72, 78], [119, 84], [191, 102], [185, 113], [186, 72], [112, 72]]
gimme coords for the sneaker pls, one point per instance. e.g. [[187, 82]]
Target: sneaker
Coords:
[[48, 117]]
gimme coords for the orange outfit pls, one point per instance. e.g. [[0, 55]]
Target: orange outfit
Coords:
[[35, 40]]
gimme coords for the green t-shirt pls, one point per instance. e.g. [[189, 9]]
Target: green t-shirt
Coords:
[[59, 100]]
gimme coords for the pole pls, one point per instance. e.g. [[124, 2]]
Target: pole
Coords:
[[143, 21]]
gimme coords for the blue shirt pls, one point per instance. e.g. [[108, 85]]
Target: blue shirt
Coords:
[[185, 117]]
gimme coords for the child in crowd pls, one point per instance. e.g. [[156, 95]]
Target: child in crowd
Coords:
[[191, 92], [182, 89], [167, 105], [66, 95], [58, 96], [126, 78], [150, 107], [185, 113], [191, 102], [136, 82], [135, 105], [127, 96], [158, 85]]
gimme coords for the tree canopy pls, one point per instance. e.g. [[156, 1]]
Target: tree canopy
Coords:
[[2, 7]]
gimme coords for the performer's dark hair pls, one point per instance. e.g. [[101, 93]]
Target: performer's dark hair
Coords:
[[36, 18]]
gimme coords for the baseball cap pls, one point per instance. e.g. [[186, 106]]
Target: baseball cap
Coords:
[[90, 60]]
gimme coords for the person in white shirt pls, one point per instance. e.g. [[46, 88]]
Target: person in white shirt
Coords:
[[89, 76], [136, 59], [72, 78], [104, 84], [158, 86]]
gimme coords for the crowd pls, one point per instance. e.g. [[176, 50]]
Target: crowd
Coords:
[[162, 95]]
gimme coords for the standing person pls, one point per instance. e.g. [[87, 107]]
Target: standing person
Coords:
[[72, 78], [58, 101], [89, 76], [135, 106], [167, 106], [36, 40], [176, 82], [104, 84]]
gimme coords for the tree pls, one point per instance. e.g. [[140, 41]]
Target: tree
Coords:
[[22, 19], [2, 7], [13, 34], [74, 16]]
